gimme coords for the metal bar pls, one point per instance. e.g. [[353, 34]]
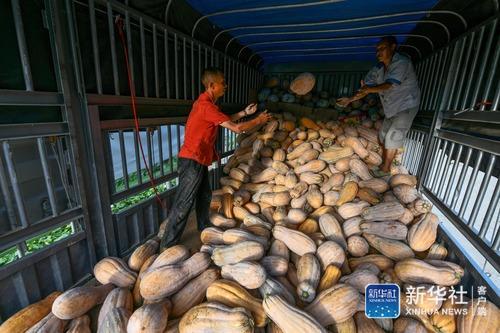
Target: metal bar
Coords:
[[428, 81], [124, 159], [438, 81], [160, 151], [414, 157], [143, 56], [488, 217], [440, 165], [446, 169], [184, 67], [95, 46], [473, 70], [21, 43], [200, 72], [478, 243], [176, 64], [461, 179], [155, 60], [329, 22], [32, 130], [492, 73], [19, 98], [453, 173], [150, 152], [212, 57], [137, 159], [21, 210], [430, 167], [112, 45], [459, 47], [167, 70], [170, 155], [9, 205], [192, 71], [100, 100], [178, 140], [46, 175], [486, 145], [129, 45], [492, 117], [472, 182], [484, 184], [464, 69]]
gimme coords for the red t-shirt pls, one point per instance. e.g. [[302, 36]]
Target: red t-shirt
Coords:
[[201, 131]]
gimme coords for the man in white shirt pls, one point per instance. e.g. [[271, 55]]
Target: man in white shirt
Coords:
[[394, 79]]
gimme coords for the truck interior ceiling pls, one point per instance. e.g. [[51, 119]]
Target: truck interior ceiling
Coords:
[[94, 100]]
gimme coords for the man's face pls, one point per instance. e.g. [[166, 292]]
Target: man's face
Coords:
[[218, 86], [385, 51]]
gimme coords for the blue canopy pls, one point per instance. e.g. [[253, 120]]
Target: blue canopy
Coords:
[[315, 30]]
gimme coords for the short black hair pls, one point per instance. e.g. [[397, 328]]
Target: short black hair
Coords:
[[391, 40], [208, 73]]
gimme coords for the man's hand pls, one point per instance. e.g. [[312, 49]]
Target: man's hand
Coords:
[[250, 109], [344, 101], [264, 117]]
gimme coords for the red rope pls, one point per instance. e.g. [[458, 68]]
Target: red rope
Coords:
[[119, 25]]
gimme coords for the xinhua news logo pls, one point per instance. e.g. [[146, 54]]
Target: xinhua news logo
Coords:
[[382, 300]]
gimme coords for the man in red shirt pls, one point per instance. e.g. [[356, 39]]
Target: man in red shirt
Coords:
[[198, 152]]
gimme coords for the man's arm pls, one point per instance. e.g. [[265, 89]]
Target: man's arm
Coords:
[[250, 109], [363, 91], [238, 115], [245, 126]]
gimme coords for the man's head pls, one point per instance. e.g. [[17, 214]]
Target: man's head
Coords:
[[386, 48], [213, 80]]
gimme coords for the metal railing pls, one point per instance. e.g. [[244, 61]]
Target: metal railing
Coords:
[[459, 170]]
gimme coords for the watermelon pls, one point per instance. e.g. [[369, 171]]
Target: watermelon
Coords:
[[322, 103], [264, 94], [288, 98]]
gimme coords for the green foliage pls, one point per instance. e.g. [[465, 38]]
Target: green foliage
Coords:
[[8, 256]]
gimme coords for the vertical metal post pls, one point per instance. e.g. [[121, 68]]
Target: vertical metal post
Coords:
[[155, 60], [21, 210], [170, 155], [440, 165], [167, 70], [95, 46], [491, 78], [184, 66], [470, 186], [193, 94], [129, 45], [7, 197], [21, 43], [488, 217], [473, 70], [484, 61], [176, 65], [482, 190], [461, 179], [150, 152], [160, 151], [143, 55], [452, 174], [200, 71], [124, 159], [455, 97], [46, 175], [112, 43], [445, 170], [434, 143], [137, 158]]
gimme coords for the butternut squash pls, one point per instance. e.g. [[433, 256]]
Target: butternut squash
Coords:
[[406, 324], [233, 295], [334, 154], [212, 317], [368, 195], [378, 185], [474, 321], [357, 246], [275, 265], [351, 209], [288, 317], [308, 275], [331, 229], [49, 324], [150, 318], [171, 255], [114, 270], [360, 169], [381, 261], [400, 179], [383, 211], [116, 321], [348, 193], [136, 292], [405, 193], [391, 248], [387, 229], [193, 293], [25, 318], [77, 301], [423, 233], [276, 199], [413, 270], [212, 236], [309, 226], [296, 241], [79, 325], [330, 277], [177, 275], [359, 279], [330, 253], [117, 298], [308, 123], [233, 236], [365, 324], [248, 274], [334, 305], [308, 155], [232, 254]]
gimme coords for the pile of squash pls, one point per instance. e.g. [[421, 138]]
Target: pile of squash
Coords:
[[300, 227]]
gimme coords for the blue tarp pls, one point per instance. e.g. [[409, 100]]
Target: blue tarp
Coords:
[[333, 45]]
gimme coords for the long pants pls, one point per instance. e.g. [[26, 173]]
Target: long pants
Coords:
[[193, 190]]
